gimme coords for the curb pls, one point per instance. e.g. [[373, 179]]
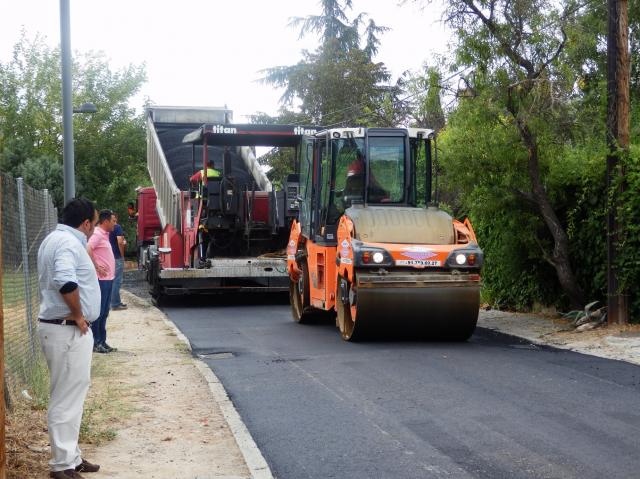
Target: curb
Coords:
[[256, 463]]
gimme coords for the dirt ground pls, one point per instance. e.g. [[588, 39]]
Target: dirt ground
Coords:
[[26, 442], [177, 430], [166, 424]]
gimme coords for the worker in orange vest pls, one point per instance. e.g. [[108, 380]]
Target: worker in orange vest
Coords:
[[198, 177]]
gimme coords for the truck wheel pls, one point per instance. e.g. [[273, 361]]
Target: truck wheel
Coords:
[[299, 297], [155, 290], [159, 300]]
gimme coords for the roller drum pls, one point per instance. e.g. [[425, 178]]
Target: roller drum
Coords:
[[427, 310]]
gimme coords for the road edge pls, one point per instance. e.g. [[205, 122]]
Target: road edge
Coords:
[[256, 463], [540, 339]]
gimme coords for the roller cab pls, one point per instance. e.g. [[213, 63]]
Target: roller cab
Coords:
[[372, 246]]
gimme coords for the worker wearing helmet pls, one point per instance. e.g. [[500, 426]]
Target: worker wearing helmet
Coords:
[[354, 186], [198, 178]]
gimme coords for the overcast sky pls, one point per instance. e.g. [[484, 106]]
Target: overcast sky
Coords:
[[210, 52]]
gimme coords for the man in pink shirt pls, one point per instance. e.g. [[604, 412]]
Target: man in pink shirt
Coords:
[[100, 252]]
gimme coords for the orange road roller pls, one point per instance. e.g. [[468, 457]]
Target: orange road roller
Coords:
[[372, 246]]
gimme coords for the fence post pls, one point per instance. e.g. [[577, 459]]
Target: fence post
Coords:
[[45, 193], [25, 264], [3, 460]]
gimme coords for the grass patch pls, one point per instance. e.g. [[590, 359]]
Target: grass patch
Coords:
[[182, 348], [38, 380], [106, 405]]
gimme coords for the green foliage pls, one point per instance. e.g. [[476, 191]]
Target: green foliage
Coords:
[[333, 85], [338, 83], [424, 90], [629, 220], [483, 171], [109, 145], [281, 161]]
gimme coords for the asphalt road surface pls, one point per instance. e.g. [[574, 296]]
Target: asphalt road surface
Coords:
[[494, 407]]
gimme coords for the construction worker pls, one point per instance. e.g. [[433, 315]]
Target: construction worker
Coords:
[[354, 186], [198, 178]]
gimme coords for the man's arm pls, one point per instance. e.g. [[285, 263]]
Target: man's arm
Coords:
[[195, 178], [99, 268], [65, 280], [72, 300], [121, 244]]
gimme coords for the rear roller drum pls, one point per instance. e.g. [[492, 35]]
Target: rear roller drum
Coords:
[[299, 297]]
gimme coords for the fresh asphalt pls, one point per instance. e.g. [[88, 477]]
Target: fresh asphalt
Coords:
[[493, 407]]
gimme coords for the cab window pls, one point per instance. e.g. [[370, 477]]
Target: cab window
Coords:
[[348, 156], [386, 170]]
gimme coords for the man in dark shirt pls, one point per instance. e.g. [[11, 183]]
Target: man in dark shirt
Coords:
[[116, 238]]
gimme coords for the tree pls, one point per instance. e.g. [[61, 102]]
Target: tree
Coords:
[[424, 93], [516, 50], [110, 144], [339, 83]]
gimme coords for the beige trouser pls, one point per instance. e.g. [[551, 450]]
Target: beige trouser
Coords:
[[68, 355]]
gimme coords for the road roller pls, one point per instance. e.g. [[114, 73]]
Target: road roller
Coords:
[[371, 247]]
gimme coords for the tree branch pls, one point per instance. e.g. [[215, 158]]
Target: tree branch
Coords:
[[491, 25]]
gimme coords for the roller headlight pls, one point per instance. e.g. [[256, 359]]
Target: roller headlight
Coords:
[[369, 256], [471, 258]]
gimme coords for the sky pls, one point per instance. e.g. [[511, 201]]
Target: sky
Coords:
[[210, 52]]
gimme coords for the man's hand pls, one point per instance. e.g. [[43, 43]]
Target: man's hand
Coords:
[[81, 322], [102, 270]]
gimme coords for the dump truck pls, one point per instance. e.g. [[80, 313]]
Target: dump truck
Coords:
[[222, 233], [371, 244]]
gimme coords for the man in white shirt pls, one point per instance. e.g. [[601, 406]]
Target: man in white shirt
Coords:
[[69, 303]]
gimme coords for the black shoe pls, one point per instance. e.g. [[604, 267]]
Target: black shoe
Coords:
[[100, 349], [120, 307], [86, 466], [109, 348], [66, 474]]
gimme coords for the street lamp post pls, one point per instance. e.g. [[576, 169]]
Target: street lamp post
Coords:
[[68, 160], [67, 107]]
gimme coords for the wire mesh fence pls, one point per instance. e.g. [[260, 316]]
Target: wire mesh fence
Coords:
[[28, 215]]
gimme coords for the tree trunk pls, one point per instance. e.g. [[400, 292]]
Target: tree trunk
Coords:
[[560, 257]]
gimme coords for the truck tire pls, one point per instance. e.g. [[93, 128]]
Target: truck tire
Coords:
[[155, 290]]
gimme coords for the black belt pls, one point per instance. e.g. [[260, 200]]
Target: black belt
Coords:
[[66, 322]]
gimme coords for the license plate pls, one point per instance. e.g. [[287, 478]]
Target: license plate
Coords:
[[418, 263]]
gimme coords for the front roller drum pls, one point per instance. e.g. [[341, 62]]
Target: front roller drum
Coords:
[[347, 310], [435, 312]]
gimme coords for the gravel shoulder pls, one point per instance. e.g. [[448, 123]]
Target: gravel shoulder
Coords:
[[177, 429], [611, 342]]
